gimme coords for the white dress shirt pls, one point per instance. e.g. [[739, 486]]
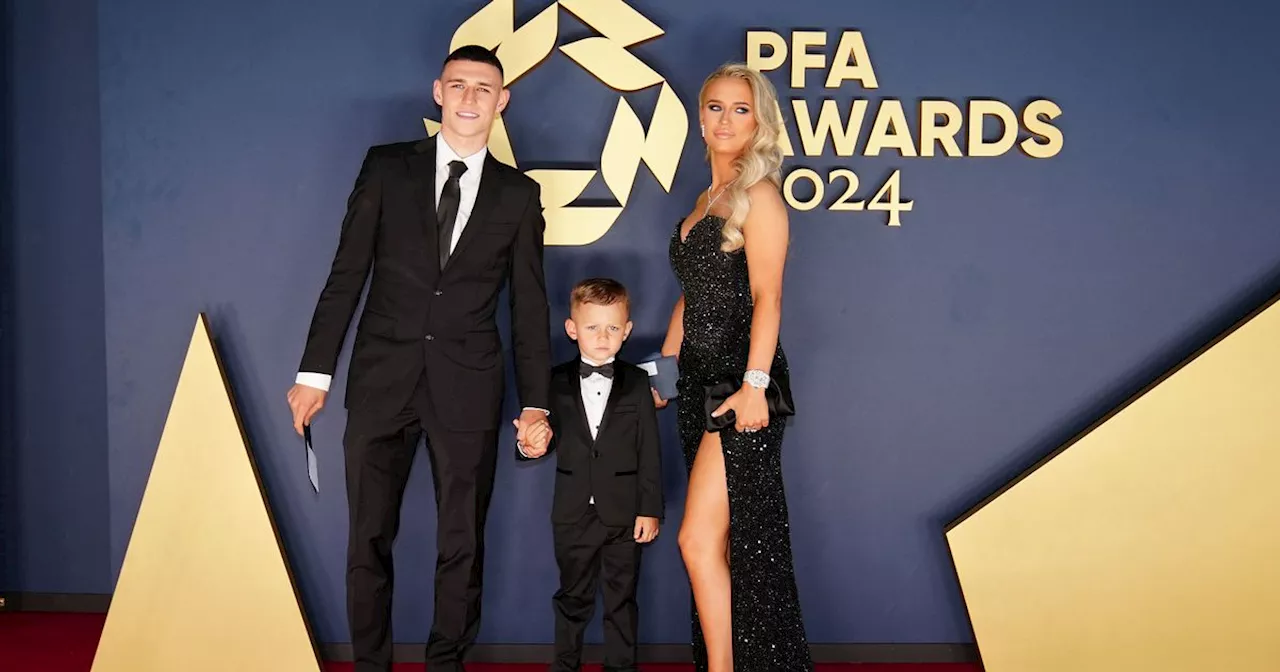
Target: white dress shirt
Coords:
[[595, 393], [468, 186]]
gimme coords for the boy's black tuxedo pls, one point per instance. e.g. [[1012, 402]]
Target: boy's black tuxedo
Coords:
[[621, 466], [620, 469]]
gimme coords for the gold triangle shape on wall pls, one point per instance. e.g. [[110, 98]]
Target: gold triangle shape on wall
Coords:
[[1150, 541], [205, 584]]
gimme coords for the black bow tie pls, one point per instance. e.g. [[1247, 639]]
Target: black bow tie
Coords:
[[585, 370]]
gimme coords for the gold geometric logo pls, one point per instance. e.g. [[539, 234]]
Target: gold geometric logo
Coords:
[[626, 146]]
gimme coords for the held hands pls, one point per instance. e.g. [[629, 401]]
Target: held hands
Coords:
[[750, 410], [305, 402], [536, 439], [646, 529], [533, 433]]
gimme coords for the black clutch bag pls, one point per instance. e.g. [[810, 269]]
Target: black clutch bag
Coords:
[[777, 395]]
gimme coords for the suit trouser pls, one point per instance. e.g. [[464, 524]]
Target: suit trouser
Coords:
[[590, 554], [379, 454]]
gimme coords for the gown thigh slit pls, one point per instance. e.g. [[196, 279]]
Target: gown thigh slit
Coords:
[[768, 628]]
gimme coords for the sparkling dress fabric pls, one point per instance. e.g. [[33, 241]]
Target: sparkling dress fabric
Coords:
[[768, 631]]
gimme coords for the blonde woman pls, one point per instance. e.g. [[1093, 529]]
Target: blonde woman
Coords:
[[728, 255]]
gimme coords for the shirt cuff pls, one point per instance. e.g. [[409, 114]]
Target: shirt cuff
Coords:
[[535, 408], [319, 381]]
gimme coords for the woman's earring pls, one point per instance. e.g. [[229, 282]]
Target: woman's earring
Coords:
[[704, 130]]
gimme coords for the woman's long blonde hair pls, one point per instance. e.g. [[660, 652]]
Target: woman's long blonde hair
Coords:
[[761, 159]]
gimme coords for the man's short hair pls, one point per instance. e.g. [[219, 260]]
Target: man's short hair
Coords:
[[477, 53]]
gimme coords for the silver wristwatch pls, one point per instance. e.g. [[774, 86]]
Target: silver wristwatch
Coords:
[[756, 378]]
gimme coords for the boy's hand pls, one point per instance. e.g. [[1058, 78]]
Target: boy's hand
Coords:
[[646, 529], [536, 439]]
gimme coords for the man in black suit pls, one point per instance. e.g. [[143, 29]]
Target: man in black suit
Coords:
[[608, 492], [444, 226]]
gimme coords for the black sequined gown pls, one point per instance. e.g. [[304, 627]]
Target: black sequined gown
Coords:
[[768, 632]]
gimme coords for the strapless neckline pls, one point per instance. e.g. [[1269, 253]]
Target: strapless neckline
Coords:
[[684, 236]]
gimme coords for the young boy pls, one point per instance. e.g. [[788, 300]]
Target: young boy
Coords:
[[608, 491]]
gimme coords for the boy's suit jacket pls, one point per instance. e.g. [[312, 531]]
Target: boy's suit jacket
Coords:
[[621, 468]]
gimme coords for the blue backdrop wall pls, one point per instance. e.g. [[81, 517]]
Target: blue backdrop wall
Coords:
[[1019, 300], [8, 535], [53, 375]]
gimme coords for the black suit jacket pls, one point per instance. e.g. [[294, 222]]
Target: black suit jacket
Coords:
[[416, 317], [622, 466]]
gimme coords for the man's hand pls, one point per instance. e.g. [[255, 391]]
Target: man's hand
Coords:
[[646, 529], [528, 420], [305, 402], [536, 439]]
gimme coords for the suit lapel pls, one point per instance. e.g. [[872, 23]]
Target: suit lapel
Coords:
[[422, 174], [575, 383], [615, 393], [486, 199]]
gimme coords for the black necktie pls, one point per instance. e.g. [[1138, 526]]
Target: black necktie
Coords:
[[585, 370], [448, 208]]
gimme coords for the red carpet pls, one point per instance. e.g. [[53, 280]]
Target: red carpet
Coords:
[[40, 642]]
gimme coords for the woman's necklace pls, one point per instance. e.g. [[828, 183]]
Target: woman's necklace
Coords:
[[711, 200]]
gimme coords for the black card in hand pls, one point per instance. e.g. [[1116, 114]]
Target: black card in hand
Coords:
[[312, 472]]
